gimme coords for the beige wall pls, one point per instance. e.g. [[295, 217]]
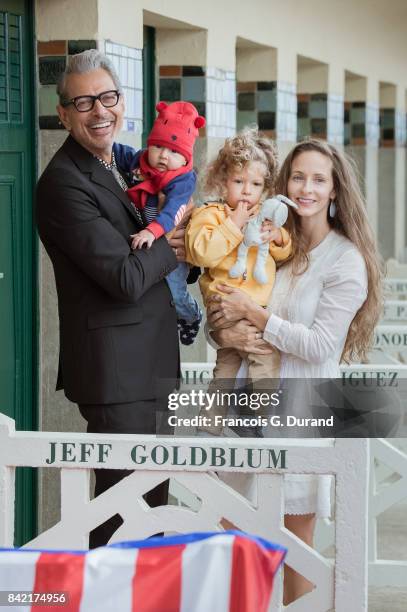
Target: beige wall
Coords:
[[66, 19], [387, 95], [120, 21], [256, 64], [313, 79], [355, 89], [369, 39], [177, 47]]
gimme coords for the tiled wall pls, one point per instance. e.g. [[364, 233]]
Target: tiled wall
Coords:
[[128, 63], [335, 133], [183, 83], [220, 102], [392, 127], [372, 125], [312, 115], [52, 57], [257, 104], [286, 121], [210, 89], [387, 127], [355, 123], [401, 128]]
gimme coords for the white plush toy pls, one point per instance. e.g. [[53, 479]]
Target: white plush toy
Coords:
[[274, 210]]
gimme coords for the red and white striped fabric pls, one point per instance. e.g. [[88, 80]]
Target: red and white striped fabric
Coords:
[[202, 572], [180, 214]]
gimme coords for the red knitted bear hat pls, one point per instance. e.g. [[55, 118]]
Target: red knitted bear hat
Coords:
[[176, 127]]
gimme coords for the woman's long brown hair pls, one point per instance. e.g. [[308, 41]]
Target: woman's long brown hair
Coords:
[[351, 220]]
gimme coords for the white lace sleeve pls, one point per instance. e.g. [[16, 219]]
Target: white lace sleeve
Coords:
[[344, 291]]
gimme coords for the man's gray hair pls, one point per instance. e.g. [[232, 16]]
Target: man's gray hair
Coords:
[[86, 62]]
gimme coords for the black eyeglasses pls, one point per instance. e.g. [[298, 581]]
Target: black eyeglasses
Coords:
[[83, 104]]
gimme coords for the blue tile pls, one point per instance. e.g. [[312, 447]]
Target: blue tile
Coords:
[[357, 115], [266, 101], [318, 126], [303, 127], [318, 109], [245, 118], [193, 88]]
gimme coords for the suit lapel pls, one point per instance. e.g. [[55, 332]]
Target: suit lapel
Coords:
[[88, 164]]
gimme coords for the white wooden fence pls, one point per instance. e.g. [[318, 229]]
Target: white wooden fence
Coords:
[[388, 474], [340, 584]]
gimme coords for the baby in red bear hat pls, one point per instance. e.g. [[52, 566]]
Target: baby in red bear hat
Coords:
[[162, 182]]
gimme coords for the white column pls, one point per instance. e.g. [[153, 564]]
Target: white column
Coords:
[[335, 102], [400, 176], [286, 119], [372, 151]]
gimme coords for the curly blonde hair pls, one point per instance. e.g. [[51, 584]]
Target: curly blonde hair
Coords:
[[248, 145], [351, 220]]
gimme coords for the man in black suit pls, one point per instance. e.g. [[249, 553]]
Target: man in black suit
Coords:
[[119, 352]]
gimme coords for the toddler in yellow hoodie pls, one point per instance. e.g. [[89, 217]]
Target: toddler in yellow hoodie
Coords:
[[241, 177]]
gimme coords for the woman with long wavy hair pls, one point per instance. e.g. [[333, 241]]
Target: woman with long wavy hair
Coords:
[[324, 307]]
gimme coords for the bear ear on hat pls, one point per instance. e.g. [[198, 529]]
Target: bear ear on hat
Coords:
[[199, 121], [160, 106]]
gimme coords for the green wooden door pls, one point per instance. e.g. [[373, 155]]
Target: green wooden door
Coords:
[[17, 246]]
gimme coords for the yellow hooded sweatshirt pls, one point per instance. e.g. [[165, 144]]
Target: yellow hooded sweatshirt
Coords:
[[212, 241]]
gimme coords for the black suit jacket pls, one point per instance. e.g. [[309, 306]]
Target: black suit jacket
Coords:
[[118, 332]]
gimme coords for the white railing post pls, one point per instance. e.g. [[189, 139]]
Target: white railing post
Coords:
[[351, 527], [7, 485]]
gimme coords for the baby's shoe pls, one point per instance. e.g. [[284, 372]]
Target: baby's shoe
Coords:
[[189, 331]]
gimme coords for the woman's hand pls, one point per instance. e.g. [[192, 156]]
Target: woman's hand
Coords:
[[242, 336], [225, 309]]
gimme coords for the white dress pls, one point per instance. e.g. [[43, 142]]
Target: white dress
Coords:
[[309, 320]]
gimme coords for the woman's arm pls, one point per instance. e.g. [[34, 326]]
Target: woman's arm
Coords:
[[235, 305], [343, 294]]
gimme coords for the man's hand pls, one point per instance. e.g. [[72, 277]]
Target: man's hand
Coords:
[[242, 336], [233, 305], [176, 237], [177, 242], [145, 237]]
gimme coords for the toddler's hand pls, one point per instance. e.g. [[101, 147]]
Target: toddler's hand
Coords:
[[241, 214], [145, 237]]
